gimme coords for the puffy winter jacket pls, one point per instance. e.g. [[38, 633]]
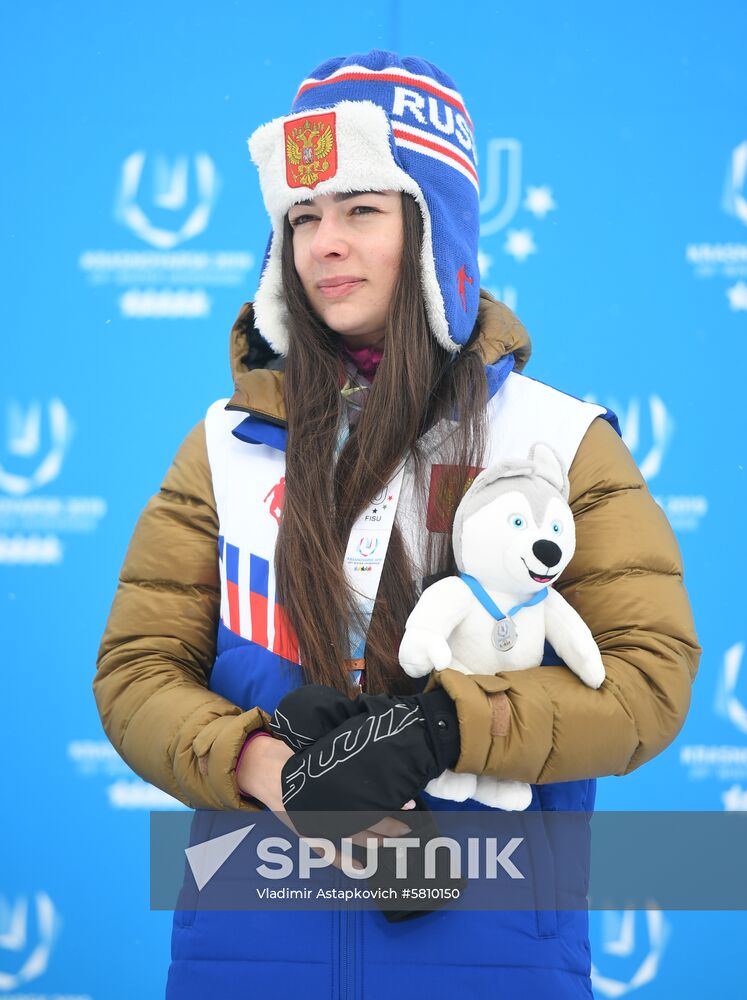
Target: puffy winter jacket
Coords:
[[196, 653]]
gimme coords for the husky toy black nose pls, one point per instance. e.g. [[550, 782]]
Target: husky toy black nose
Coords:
[[548, 553]]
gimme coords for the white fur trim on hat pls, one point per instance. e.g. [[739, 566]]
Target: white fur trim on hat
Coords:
[[364, 163]]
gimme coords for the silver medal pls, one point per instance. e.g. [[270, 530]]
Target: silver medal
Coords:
[[504, 635]]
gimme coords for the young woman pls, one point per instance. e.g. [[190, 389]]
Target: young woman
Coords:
[[370, 345]]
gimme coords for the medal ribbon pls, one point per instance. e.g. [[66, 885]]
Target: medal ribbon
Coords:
[[365, 553], [489, 604]]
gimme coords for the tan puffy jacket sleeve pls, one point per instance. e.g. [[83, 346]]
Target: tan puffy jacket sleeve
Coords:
[[625, 580], [158, 648]]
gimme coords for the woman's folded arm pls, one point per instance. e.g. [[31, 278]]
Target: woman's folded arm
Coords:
[[158, 648]]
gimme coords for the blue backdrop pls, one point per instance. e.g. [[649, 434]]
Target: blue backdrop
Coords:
[[613, 152]]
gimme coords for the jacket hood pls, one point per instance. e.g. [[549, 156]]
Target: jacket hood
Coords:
[[257, 371]]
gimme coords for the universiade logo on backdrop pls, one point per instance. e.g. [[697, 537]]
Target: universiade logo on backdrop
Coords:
[[34, 525], [727, 260], [648, 429], [725, 762], [98, 760], [628, 947], [501, 205], [165, 203], [29, 930]]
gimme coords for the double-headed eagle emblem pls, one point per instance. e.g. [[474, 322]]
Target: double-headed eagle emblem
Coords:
[[310, 150]]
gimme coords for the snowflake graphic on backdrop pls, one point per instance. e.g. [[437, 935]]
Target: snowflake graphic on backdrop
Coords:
[[505, 196], [539, 201], [520, 244], [737, 296]]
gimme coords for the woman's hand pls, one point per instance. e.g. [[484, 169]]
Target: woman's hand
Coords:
[[259, 770]]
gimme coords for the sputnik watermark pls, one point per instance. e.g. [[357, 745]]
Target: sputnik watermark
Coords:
[[486, 863], [478, 859], [311, 854]]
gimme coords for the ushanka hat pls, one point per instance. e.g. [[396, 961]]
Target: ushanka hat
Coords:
[[378, 122]]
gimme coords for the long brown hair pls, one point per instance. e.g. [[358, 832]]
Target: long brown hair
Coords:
[[417, 384]]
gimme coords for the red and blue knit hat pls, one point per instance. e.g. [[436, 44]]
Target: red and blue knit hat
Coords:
[[378, 122]]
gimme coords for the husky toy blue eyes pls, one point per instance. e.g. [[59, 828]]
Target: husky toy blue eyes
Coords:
[[513, 536]]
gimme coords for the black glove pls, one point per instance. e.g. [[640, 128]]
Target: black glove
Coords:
[[311, 712], [384, 753]]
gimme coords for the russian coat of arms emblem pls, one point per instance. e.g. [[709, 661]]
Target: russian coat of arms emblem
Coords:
[[310, 150]]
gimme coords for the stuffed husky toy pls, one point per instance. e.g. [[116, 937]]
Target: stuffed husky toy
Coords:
[[513, 536]]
